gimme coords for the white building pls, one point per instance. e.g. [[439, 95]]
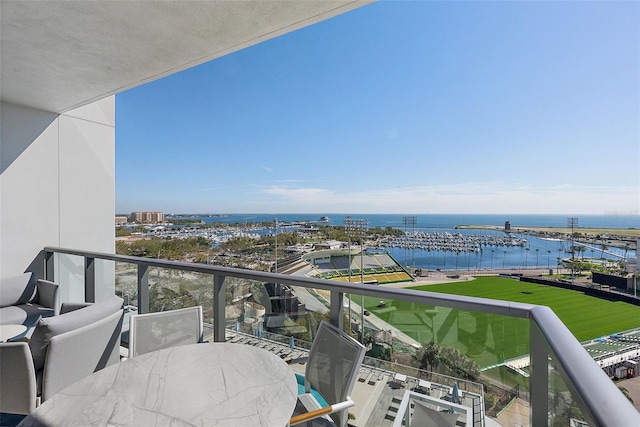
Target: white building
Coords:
[[61, 65]]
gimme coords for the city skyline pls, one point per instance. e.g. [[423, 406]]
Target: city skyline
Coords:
[[399, 107]]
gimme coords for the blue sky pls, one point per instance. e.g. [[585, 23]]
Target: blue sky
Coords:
[[400, 107]]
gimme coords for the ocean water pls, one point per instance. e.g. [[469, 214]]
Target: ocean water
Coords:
[[538, 253], [444, 220]]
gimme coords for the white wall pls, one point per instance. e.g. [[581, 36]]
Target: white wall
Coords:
[[57, 188]]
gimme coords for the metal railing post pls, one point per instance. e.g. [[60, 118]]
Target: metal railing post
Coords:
[[219, 305], [539, 379], [89, 279], [143, 288], [335, 315]]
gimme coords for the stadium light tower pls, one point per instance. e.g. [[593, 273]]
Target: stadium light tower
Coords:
[[348, 228], [275, 227], [410, 221], [572, 222], [637, 272], [357, 227]]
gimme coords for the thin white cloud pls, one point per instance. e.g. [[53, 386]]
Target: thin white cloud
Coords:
[[267, 169], [486, 197]]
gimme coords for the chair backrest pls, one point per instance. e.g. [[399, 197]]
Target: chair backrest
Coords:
[[78, 353], [154, 331], [334, 362]]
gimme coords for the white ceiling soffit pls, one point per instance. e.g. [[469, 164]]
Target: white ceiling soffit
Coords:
[[59, 55]]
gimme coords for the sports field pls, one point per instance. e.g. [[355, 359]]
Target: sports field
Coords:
[[492, 338]]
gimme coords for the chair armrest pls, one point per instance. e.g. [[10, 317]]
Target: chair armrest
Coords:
[[72, 306], [18, 385], [47, 293], [297, 419], [317, 413]]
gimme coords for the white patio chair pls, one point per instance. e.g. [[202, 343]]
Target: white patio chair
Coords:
[[331, 371], [155, 331]]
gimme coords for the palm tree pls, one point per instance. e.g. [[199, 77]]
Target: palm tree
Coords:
[[504, 257], [457, 254], [452, 360], [537, 253], [458, 364], [548, 259], [526, 256], [492, 252], [429, 359], [604, 248]]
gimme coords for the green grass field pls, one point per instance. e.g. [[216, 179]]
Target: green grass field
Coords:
[[491, 338]]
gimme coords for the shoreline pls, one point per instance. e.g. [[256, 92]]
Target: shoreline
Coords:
[[627, 232], [613, 237]]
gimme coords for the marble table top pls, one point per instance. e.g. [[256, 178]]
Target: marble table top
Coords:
[[200, 384], [11, 331]]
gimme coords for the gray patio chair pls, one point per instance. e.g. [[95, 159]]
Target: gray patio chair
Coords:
[[155, 331], [62, 350], [331, 371]]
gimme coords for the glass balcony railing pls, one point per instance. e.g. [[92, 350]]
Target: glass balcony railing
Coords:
[[443, 353]]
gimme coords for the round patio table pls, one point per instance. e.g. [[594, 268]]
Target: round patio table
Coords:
[[199, 384]]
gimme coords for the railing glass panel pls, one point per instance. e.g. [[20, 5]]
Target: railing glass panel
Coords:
[[563, 407], [497, 335], [171, 289], [69, 271], [126, 283]]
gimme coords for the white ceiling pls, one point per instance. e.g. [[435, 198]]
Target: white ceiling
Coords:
[[59, 55]]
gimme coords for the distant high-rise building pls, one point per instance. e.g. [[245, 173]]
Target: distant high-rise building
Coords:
[[507, 225], [121, 220], [148, 217]]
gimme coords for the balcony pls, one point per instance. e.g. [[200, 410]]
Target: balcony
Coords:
[[561, 383]]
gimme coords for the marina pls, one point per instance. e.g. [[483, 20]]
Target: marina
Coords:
[[454, 242], [434, 242]]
